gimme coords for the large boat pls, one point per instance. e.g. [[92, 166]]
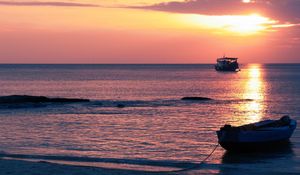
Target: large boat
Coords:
[[263, 135], [227, 64]]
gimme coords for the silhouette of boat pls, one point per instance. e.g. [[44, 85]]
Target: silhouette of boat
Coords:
[[227, 64], [263, 135]]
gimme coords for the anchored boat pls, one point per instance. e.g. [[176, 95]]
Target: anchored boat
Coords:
[[227, 64], [263, 135]]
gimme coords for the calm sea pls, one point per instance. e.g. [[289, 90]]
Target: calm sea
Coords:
[[155, 127]]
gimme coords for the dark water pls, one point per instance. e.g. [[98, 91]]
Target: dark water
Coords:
[[155, 127]]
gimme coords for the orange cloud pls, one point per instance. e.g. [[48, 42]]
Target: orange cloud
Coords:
[[39, 3], [284, 10]]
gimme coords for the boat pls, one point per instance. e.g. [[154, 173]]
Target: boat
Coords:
[[263, 135], [227, 64]]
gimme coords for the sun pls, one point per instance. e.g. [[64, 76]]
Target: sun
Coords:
[[249, 24], [238, 24]]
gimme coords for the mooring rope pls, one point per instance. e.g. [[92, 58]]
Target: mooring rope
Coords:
[[201, 163], [196, 166]]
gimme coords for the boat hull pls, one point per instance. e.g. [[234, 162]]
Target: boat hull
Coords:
[[227, 69], [253, 138], [255, 146]]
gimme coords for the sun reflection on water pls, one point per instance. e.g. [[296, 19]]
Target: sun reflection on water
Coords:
[[254, 91]]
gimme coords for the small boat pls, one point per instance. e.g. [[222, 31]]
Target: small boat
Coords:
[[227, 64], [263, 135]]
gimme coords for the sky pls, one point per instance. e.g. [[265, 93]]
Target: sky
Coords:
[[149, 31]]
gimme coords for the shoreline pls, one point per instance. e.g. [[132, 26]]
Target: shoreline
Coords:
[[17, 167]]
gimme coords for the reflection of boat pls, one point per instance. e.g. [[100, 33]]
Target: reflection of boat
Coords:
[[227, 64], [262, 135]]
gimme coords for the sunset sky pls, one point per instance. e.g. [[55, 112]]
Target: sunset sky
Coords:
[[149, 31]]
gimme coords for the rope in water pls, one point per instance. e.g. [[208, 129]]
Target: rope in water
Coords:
[[196, 166], [202, 162]]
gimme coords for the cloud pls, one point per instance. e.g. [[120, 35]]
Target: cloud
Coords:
[[284, 10], [39, 3]]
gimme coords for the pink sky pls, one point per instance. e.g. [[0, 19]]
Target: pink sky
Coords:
[[158, 31]]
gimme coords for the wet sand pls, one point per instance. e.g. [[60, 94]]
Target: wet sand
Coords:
[[19, 167], [283, 161]]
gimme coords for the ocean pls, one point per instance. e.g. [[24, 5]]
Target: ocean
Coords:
[[136, 118]]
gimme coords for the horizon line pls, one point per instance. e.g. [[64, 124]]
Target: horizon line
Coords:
[[137, 63]]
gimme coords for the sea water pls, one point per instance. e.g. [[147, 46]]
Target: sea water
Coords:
[[136, 115]]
